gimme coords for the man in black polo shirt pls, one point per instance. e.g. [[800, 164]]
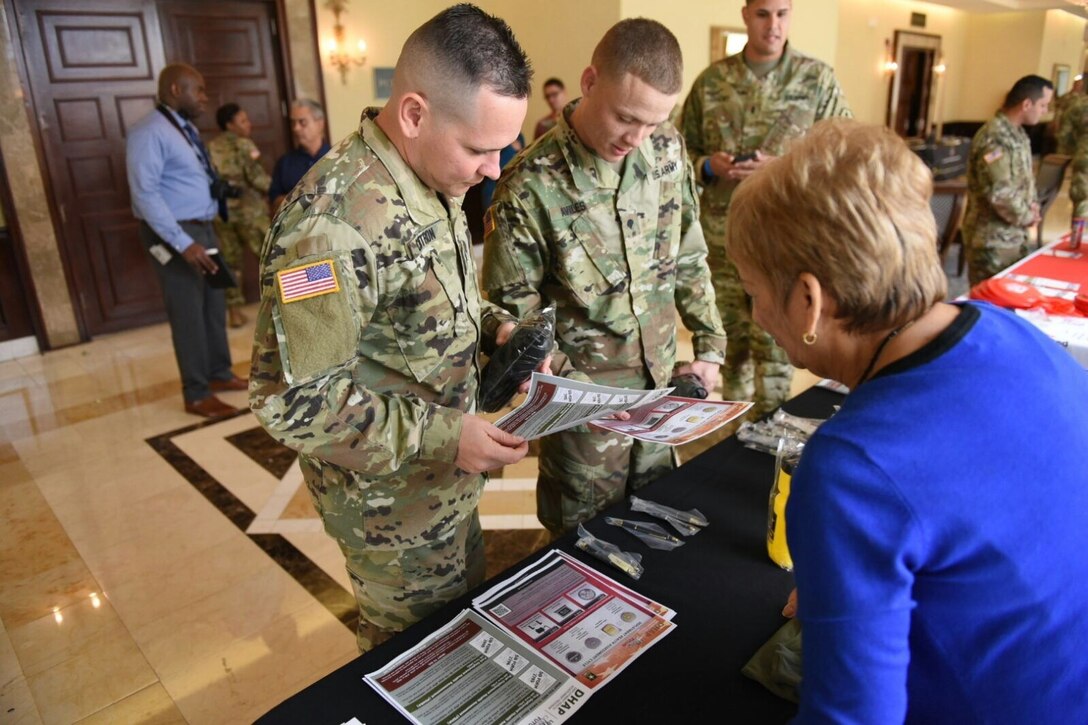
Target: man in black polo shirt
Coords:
[[308, 129]]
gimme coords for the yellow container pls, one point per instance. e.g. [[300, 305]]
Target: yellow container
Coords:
[[777, 547]]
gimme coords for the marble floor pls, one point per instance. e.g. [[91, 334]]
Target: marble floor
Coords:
[[158, 568]]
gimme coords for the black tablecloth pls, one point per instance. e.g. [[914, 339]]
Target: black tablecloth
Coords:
[[727, 594]]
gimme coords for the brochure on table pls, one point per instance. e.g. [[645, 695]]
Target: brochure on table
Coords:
[[554, 404], [543, 641]]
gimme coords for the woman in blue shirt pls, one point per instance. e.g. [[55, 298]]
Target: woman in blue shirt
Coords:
[[938, 521]]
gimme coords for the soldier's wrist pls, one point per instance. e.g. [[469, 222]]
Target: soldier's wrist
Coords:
[[708, 173], [441, 435]]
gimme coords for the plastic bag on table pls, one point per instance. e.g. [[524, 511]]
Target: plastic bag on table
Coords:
[[653, 535], [609, 553], [686, 522], [515, 360]]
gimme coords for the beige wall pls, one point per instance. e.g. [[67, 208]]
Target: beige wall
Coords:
[[1001, 48], [865, 25], [558, 36], [1063, 42], [384, 27], [814, 30]]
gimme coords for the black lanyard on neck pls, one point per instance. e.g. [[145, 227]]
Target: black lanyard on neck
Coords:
[[201, 154]]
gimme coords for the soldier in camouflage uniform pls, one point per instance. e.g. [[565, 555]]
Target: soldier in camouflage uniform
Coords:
[[599, 217], [238, 160], [1001, 198], [1075, 128], [365, 355], [1062, 123], [753, 103]]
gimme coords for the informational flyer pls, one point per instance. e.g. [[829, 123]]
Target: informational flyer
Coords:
[[554, 404], [472, 672], [588, 624], [547, 638], [674, 421]]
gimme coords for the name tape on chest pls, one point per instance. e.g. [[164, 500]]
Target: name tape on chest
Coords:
[[306, 281], [577, 207], [423, 239], [665, 169], [993, 156]]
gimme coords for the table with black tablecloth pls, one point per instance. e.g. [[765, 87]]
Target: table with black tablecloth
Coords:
[[727, 594]]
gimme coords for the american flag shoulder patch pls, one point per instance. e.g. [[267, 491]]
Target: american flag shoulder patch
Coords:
[[993, 156], [308, 280]]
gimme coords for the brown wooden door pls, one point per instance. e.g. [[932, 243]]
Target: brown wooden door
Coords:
[[93, 68], [92, 72], [233, 45]]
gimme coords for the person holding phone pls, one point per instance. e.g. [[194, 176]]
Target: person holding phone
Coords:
[[741, 112], [171, 180]]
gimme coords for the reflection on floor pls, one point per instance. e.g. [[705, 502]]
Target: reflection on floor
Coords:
[[159, 568]]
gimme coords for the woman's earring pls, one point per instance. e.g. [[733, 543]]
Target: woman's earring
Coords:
[[809, 338]]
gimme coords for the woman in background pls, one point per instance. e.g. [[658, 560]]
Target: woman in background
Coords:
[[938, 521]]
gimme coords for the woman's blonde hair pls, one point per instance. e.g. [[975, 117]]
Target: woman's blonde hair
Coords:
[[849, 203]]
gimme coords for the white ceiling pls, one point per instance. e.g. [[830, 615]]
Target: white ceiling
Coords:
[[1004, 6]]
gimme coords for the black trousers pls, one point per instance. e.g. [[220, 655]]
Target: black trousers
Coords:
[[197, 314]]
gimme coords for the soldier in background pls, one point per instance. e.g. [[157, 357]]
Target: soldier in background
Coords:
[[555, 93], [1074, 139], [1060, 127], [741, 112], [365, 356], [599, 217], [1001, 199], [238, 160]]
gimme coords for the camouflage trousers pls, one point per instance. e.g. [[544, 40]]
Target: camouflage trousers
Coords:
[[584, 470], [397, 588], [755, 367], [988, 254], [234, 237]]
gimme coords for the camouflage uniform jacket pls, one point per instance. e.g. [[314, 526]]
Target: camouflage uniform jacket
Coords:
[[617, 253], [1065, 118], [1075, 128], [238, 161], [370, 376], [1000, 185], [730, 109]]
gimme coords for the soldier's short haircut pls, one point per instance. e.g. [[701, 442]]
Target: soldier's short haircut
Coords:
[[849, 204], [315, 107], [225, 114], [644, 48], [462, 49], [1028, 88], [554, 82]]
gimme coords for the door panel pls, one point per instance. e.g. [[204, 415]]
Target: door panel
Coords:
[[92, 73], [92, 69], [233, 46]]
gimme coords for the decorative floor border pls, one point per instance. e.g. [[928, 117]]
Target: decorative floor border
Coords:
[[322, 587]]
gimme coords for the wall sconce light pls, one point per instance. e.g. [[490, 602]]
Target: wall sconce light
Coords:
[[889, 65], [337, 49], [940, 67]]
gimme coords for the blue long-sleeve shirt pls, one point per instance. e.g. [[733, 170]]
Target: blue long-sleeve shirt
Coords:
[[291, 167], [166, 179], [938, 524]]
